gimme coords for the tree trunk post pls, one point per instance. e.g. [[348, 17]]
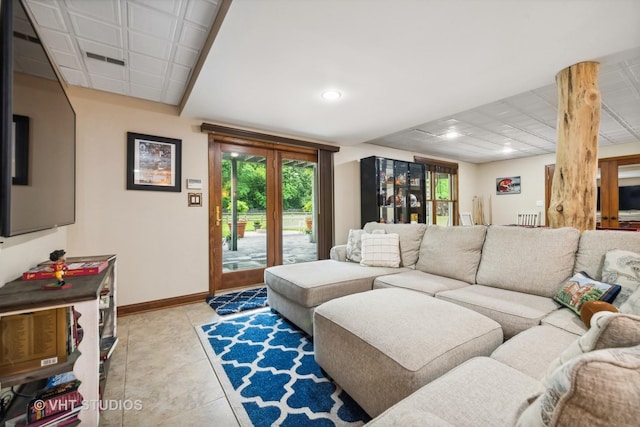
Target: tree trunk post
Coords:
[[574, 189]]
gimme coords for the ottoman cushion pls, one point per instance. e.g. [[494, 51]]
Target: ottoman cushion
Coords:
[[383, 345], [312, 283]]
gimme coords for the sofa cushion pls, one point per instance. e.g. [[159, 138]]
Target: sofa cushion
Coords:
[[599, 388], [531, 351], [515, 311], [479, 392], [594, 245], [354, 244], [312, 283], [623, 267], [530, 260], [410, 239], [608, 330], [567, 320], [380, 250], [452, 251], [581, 288], [415, 280]]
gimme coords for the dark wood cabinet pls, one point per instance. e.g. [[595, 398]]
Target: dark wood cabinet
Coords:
[[391, 191]]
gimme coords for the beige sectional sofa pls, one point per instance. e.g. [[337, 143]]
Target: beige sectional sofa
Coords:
[[372, 322]]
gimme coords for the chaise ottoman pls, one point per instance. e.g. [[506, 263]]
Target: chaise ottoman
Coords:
[[295, 290], [380, 346]]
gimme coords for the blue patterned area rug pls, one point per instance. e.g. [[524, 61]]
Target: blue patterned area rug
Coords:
[[235, 302], [267, 368]]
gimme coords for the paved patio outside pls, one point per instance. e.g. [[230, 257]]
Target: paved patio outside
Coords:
[[252, 253]]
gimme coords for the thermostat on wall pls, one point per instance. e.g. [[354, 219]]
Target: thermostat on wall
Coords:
[[194, 184]]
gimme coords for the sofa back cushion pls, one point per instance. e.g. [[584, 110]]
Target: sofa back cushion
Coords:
[[452, 252], [594, 245], [410, 238], [599, 388], [530, 260]]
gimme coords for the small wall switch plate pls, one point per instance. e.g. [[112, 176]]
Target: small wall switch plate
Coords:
[[194, 184], [195, 199], [539, 203]]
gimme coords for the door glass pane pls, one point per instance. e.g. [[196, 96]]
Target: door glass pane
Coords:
[[299, 231], [244, 189], [598, 201], [444, 209], [628, 195]]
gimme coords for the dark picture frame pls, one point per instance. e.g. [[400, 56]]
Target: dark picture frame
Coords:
[[154, 163], [20, 150]]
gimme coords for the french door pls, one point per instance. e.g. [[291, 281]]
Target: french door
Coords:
[[262, 199]]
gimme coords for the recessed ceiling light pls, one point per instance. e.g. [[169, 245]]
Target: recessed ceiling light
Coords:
[[451, 134], [507, 150], [331, 95]]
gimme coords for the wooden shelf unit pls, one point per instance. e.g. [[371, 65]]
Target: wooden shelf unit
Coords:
[[20, 296]]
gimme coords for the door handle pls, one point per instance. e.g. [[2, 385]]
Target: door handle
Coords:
[[605, 218], [218, 218], [613, 218]]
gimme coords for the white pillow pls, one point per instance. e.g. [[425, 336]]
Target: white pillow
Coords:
[[623, 268], [380, 250], [354, 244]]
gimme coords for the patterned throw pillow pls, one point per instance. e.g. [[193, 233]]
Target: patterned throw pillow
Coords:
[[380, 250], [623, 267], [599, 388], [581, 288], [354, 244], [608, 330]]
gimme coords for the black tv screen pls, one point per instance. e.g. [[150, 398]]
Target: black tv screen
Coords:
[[37, 183], [629, 198]]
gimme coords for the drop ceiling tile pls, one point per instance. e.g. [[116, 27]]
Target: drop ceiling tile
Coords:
[[146, 92], [58, 40], [106, 11], [92, 29], [109, 85], [147, 64], [201, 12], [146, 79], [180, 73], [174, 93], [66, 59], [105, 69], [149, 45], [169, 6], [192, 36], [186, 56], [150, 21], [74, 77], [46, 15]]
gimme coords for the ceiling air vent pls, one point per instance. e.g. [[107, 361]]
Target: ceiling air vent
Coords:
[[105, 59], [26, 37]]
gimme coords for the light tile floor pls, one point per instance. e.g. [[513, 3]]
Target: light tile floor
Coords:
[[160, 362]]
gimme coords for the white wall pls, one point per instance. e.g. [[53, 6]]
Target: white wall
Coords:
[[347, 183], [161, 243], [505, 207]]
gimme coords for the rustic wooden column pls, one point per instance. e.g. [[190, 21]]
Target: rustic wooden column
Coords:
[[574, 189]]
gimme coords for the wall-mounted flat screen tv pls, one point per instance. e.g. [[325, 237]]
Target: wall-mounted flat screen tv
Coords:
[[37, 180]]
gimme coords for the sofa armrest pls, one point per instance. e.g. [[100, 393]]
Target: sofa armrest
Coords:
[[338, 253]]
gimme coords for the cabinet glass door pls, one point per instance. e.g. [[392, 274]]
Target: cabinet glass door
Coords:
[[386, 182]]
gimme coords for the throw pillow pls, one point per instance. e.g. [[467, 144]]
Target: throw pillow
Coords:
[[380, 250], [623, 267], [354, 244], [596, 389], [608, 330], [581, 288]]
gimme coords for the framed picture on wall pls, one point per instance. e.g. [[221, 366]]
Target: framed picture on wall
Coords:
[[508, 185], [153, 163]]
